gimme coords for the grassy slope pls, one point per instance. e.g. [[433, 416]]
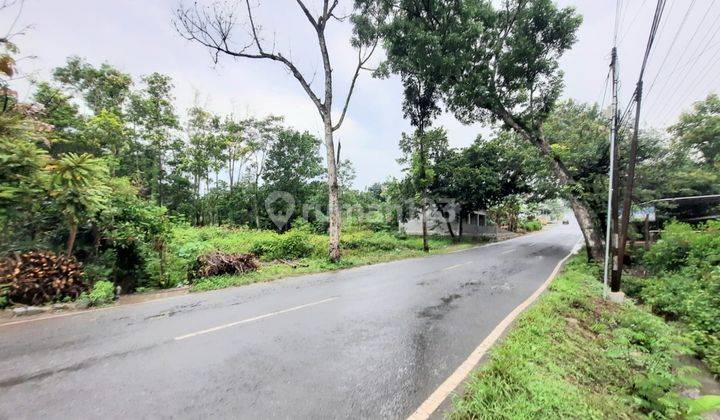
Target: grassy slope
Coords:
[[359, 248], [573, 355], [272, 271]]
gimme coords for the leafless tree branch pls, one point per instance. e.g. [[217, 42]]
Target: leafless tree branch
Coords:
[[360, 66], [213, 29]]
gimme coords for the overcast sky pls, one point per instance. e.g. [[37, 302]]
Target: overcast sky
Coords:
[[137, 36]]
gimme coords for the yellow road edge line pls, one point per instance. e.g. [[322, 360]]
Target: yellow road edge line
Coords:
[[428, 407]]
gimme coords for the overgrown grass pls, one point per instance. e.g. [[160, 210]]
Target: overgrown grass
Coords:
[[298, 251], [574, 355]]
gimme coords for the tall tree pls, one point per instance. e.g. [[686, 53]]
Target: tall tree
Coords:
[[103, 87], [293, 162], [213, 27], [699, 130], [153, 115], [421, 151], [236, 147], [59, 111], [262, 134], [420, 107], [78, 186], [492, 64], [108, 133]]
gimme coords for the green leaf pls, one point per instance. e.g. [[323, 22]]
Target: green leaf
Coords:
[[704, 404]]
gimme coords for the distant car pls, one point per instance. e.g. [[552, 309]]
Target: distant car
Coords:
[[566, 222]]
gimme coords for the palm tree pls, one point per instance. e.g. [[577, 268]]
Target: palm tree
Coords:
[[79, 187]]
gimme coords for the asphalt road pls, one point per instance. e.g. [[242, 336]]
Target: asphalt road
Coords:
[[369, 342]]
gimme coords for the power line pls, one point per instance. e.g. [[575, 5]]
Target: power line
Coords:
[[653, 31], [632, 21], [688, 92], [604, 91], [630, 175], [682, 55], [617, 20], [672, 44]]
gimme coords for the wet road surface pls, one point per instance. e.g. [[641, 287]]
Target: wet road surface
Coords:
[[369, 342]]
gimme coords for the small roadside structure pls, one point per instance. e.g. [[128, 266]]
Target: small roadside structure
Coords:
[[474, 223]]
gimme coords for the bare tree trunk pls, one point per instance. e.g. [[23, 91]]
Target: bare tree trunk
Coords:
[[460, 225], [256, 199], [160, 180], [423, 218], [333, 201], [231, 172], [450, 229], [97, 237], [71, 238]]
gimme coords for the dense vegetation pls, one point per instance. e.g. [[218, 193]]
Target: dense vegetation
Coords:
[[682, 283], [101, 166], [105, 170], [576, 355]]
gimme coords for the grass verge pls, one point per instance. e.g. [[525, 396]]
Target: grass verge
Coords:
[[574, 355], [351, 258]]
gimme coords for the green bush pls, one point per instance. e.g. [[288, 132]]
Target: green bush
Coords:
[[293, 244], [3, 302], [684, 284], [530, 225], [102, 292]]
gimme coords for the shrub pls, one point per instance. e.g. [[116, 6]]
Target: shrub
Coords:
[[685, 284], [294, 244], [101, 293], [217, 263], [531, 225], [37, 277], [672, 250], [372, 241]]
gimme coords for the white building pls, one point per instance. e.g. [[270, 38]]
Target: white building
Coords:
[[475, 223]]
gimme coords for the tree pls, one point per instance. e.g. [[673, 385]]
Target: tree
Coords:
[[496, 65], [421, 152], [420, 106], [236, 145], [699, 130], [22, 177], [59, 111], [79, 189], [204, 153], [107, 132], [492, 172], [262, 133], [212, 27], [292, 163], [578, 135], [103, 87], [153, 115]]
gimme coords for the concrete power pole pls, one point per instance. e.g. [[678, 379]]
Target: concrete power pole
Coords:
[[611, 237]]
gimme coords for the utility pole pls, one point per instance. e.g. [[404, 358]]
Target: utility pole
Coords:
[[629, 184], [612, 207], [630, 175]]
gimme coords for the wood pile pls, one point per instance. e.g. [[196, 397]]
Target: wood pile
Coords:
[[217, 263], [37, 277]]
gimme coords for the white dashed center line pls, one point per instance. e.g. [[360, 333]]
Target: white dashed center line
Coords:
[[456, 266], [255, 318]]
